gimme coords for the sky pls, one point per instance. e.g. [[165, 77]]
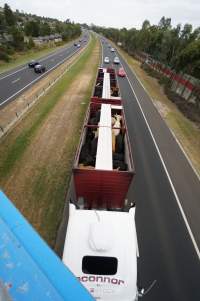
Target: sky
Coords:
[[113, 13]]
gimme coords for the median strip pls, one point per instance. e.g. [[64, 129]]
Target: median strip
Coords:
[[36, 157]]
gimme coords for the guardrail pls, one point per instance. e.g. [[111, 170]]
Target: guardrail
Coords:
[[29, 102]]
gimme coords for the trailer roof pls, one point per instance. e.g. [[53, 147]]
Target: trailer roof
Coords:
[[104, 147], [106, 86]]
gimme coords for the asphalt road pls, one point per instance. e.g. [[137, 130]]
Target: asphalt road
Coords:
[[167, 195], [16, 81]]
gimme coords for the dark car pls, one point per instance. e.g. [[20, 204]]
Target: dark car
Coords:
[[33, 64], [75, 44], [39, 68]]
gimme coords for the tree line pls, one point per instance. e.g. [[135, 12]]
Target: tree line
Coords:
[[15, 26], [177, 47]]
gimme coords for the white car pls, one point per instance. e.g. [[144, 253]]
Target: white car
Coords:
[[116, 60], [112, 49], [106, 60]]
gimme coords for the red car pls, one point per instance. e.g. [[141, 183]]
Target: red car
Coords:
[[121, 72]]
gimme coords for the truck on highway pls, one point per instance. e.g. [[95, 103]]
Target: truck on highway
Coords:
[[106, 86], [101, 242]]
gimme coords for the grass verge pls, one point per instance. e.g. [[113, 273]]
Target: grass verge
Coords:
[[13, 151], [187, 133], [36, 176]]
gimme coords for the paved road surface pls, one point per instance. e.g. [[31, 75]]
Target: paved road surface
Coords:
[[167, 253], [14, 82]]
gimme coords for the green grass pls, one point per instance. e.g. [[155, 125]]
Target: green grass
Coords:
[[45, 197], [24, 58], [188, 135], [51, 185], [15, 150], [56, 195]]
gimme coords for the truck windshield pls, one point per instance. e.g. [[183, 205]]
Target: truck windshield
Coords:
[[99, 265]]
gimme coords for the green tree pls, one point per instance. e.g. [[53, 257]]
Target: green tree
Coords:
[[45, 29], [9, 16], [165, 23], [189, 59], [30, 43], [2, 23], [59, 27], [18, 38], [145, 25], [32, 28]]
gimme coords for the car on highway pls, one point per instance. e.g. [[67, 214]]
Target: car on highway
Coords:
[[39, 68], [121, 72], [106, 60], [116, 60], [33, 63], [78, 45], [112, 49], [75, 44]]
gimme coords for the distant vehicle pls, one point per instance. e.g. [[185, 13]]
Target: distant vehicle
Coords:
[[75, 44], [112, 49], [39, 68], [78, 45], [33, 63], [116, 60], [80, 40], [121, 72], [106, 60]]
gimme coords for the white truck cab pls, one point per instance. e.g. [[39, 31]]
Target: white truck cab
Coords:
[[101, 251]]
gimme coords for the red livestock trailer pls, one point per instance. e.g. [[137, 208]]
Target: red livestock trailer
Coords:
[[103, 167], [106, 84]]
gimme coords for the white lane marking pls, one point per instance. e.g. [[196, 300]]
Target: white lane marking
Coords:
[[168, 176], [13, 73], [41, 60], [137, 245], [174, 136], [16, 80], [185, 154], [35, 80]]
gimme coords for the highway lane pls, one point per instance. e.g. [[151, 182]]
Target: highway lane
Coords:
[[14, 82], [167, 253]]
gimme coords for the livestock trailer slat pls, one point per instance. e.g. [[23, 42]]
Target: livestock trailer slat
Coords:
[[102, 188]]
